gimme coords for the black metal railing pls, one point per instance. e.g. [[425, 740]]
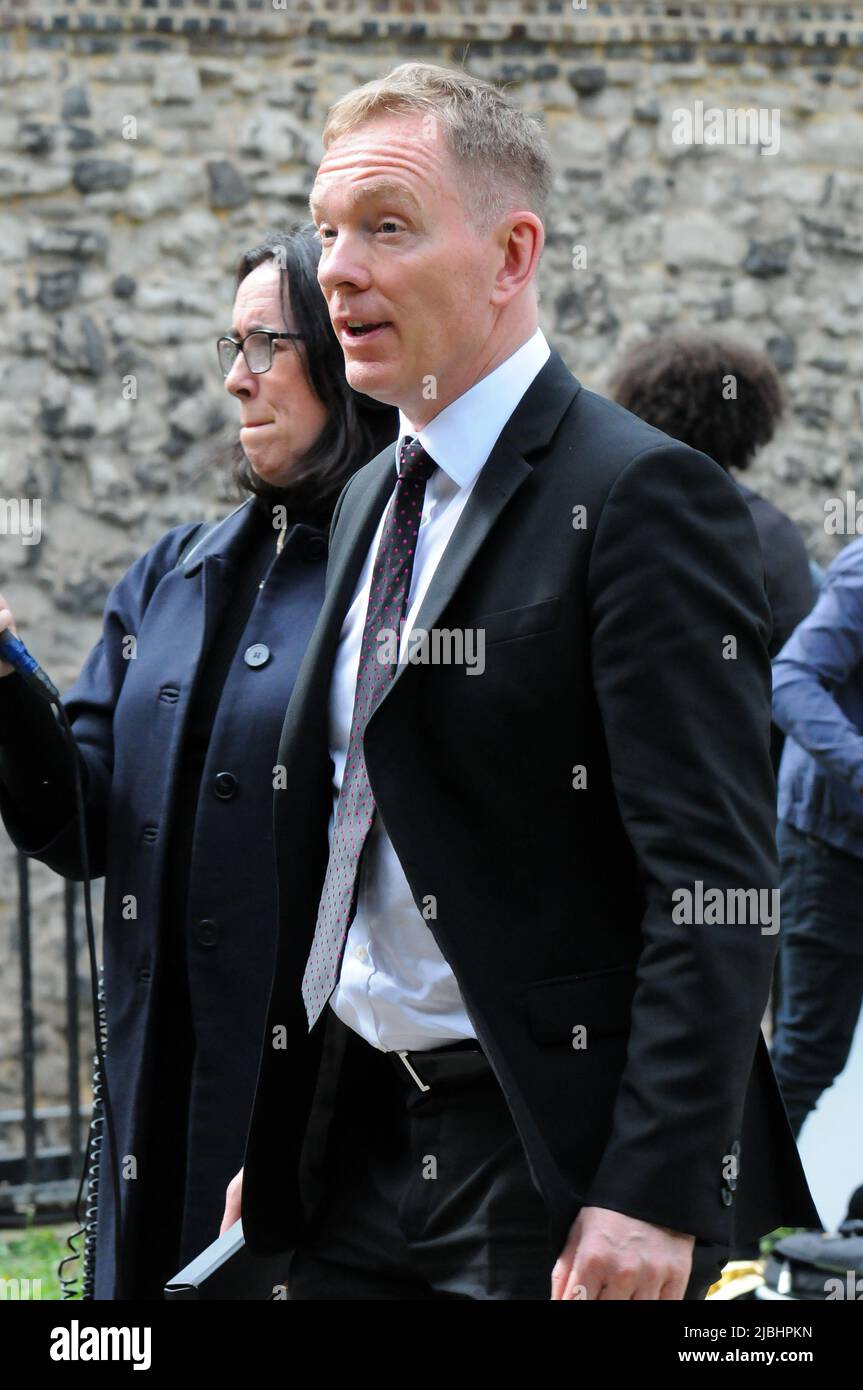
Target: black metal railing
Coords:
[[37, 1173]]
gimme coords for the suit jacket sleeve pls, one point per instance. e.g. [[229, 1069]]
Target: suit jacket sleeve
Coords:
[[90, 705], [679, 635]]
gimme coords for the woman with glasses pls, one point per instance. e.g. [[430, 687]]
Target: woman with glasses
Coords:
[[177, 715]]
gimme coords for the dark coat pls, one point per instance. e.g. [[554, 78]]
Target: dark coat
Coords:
[[790, 590], [128, 717], [604, 647]]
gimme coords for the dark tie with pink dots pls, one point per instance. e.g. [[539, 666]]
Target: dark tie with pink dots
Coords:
[[355, 810]]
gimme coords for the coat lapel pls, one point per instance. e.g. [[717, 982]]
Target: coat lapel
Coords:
[[499, 480], [528, 430], [220, 540], [372, 486], [207, 565]]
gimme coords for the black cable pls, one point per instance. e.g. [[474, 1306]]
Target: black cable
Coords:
[[100, 1051], [97, 1122], [88, 1222]]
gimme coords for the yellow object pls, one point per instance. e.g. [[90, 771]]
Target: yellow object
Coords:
[[738, 1277]]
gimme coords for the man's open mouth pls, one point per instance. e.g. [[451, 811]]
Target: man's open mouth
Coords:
[[358, 328]]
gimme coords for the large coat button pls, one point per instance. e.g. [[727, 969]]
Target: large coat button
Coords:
[[257, 655]]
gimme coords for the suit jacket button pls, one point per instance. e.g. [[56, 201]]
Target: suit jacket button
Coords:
[[256, 655], [315, 548], [206, 933], [225, 785]]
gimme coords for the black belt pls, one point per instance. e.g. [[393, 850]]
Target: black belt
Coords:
[[430, 1066]]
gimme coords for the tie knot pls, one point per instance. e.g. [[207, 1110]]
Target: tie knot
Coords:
[[414, 463]]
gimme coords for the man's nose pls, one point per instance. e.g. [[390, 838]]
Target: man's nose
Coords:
[[343, 262]]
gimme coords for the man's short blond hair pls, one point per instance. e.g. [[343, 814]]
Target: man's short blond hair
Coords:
[[501, 152]]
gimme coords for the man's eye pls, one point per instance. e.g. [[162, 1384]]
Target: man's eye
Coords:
[[325, 234]]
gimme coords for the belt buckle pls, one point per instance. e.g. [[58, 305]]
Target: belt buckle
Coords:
[[417, 1079]]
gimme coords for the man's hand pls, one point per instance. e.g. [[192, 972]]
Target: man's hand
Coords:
[[233, 1198], [611, 1256]]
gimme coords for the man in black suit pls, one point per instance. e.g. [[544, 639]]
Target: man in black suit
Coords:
[[526, 874]]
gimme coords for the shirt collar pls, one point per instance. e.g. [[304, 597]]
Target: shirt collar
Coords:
[[461, 437]]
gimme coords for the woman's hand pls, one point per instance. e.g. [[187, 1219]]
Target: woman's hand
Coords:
[[6, 621]]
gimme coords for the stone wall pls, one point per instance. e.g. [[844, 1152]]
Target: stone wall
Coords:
[[143, 145]]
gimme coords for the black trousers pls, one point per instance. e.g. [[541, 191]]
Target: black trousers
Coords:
[[420, 1194], [820, 968]]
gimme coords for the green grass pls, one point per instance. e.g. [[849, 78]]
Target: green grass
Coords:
[[34, 1253]]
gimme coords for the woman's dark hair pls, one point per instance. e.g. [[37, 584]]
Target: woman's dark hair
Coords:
[[357, 427], [680, 384]]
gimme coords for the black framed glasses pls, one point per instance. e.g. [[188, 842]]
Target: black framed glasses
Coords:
[[256, 347]]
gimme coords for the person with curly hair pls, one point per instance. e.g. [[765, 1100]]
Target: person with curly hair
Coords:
[[725, 399]]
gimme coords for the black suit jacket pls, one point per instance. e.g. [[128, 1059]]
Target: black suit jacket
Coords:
[[605, 648]]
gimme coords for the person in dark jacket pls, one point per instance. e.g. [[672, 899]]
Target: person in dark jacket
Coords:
[[726, 400], [177, 715]]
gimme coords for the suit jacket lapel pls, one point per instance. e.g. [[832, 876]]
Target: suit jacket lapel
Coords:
[[528, 430], [372, 486], [501, 477], [371, 492]]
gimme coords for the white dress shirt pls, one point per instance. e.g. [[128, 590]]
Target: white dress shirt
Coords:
[[395, 987]]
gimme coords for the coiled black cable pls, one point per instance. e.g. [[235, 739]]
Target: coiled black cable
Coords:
[[103, 1113], [88, 1223]]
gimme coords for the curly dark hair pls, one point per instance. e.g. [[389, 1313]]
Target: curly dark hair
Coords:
[[358, 427], [676, 382]]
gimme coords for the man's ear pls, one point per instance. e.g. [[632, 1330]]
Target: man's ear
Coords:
[[521, 237]]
